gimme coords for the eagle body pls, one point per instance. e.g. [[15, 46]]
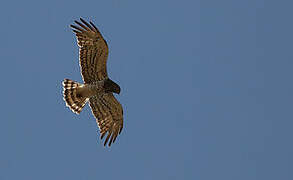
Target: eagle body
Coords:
[[97, 88]]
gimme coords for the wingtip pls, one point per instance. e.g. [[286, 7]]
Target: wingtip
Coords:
[[102, 136], [105, 143], [94, 26], [83, 21], [120, 130]]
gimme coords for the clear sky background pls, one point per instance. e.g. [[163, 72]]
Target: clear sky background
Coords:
[[206, 90]]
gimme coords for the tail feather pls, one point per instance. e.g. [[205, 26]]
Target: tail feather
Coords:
[[73, 100]]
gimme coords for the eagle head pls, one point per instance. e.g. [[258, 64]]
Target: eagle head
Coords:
[[111, 86]]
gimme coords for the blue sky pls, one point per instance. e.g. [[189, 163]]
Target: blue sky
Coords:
[[206, 90]]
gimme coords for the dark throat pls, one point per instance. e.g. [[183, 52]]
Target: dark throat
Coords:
[[111, 86]]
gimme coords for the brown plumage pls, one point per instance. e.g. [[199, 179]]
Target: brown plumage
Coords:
[[97, 87]]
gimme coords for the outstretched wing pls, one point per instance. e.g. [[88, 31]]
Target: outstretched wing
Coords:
[[109, 116], [93, 51]]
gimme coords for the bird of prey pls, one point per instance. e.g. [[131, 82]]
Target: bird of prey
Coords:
[[98, 88]]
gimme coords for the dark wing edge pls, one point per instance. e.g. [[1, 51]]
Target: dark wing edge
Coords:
[[109, 116], [93, 52]]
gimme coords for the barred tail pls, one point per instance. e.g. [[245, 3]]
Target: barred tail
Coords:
[[73, 100]]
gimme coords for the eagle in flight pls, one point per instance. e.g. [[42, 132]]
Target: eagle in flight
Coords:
[[98, 88]]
